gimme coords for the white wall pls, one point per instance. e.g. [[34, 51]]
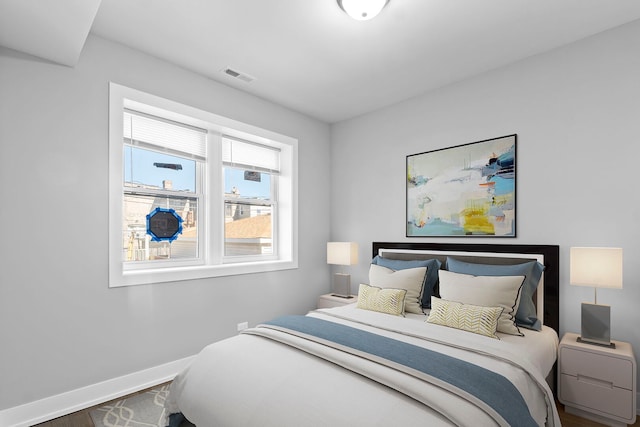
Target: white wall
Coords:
[[61, 327], [576, 111]]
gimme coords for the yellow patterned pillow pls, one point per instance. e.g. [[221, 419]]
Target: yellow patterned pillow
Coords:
[[467, 317], [390, 301]]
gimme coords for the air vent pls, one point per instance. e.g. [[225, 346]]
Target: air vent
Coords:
[[238, 75]]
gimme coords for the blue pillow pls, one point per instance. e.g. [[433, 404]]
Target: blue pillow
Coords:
[[430, 279], [526, 316]]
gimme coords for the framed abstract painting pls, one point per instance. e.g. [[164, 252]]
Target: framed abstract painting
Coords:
[[466, 190]]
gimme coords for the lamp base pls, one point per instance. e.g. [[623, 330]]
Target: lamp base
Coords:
[[341, 285], [596, 324]]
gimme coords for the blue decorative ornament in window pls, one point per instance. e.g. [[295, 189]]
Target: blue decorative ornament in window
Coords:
[[164, 225]]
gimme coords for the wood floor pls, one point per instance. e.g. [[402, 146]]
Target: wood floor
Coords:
[[570, 420], [82, 419]]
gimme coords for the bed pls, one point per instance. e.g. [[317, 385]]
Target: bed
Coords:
[[476, 345]]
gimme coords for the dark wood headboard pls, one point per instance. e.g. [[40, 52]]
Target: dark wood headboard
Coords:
[[551, 255]]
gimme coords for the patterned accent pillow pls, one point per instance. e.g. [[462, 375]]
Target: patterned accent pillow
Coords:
[[389, 301], [410, 279], [467, 317]]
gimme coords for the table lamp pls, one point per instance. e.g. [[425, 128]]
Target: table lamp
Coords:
[[600, 268], [342, 253]]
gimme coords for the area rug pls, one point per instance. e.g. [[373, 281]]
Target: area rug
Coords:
[[145, 409]]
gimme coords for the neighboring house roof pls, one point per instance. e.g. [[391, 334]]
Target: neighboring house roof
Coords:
[[249, 228], [189, 232]]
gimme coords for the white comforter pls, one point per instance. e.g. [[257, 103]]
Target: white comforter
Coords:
[[248, 380]]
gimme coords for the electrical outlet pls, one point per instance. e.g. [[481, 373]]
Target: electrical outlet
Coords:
[[242, 326]]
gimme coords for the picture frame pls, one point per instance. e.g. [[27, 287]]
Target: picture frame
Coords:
[[467, 190]]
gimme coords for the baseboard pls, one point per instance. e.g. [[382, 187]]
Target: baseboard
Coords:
[[75, 400]]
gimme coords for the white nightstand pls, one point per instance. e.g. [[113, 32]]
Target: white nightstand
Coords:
[[328, 301], [596, 382]]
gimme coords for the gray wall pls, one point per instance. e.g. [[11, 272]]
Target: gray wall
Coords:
[[576, 111], [61, 327]]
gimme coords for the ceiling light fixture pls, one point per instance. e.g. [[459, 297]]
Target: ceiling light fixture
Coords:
[[362, 10]]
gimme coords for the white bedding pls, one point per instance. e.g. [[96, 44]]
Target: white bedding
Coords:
[[539, 347], [251, 381]]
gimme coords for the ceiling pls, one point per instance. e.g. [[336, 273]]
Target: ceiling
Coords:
[[308, 55]]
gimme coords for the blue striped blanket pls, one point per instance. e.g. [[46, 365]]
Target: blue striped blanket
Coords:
[[476, 383]]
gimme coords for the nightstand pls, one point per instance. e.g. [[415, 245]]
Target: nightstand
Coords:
[[596, 382], [328, 301]]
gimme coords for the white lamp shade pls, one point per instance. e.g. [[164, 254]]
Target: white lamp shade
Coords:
[[342, 253], [362, 10], [596, 267]]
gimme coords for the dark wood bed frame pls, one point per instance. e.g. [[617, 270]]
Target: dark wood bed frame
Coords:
[[551, 262]]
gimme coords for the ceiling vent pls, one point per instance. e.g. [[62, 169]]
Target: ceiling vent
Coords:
[[238, 75]]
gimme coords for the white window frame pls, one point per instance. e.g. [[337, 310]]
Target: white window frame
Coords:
[[214, 263]]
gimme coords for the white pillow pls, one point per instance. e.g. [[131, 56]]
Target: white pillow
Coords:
[[485, 291], [410, 279]]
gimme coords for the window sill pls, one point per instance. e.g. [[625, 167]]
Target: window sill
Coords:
[[163, 275]]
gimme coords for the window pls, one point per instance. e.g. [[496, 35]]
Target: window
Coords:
[[195, 195], [164, 163], [251, 179]]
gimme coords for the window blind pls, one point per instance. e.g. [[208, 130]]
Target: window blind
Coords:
[[165, 135], [250, 155]]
